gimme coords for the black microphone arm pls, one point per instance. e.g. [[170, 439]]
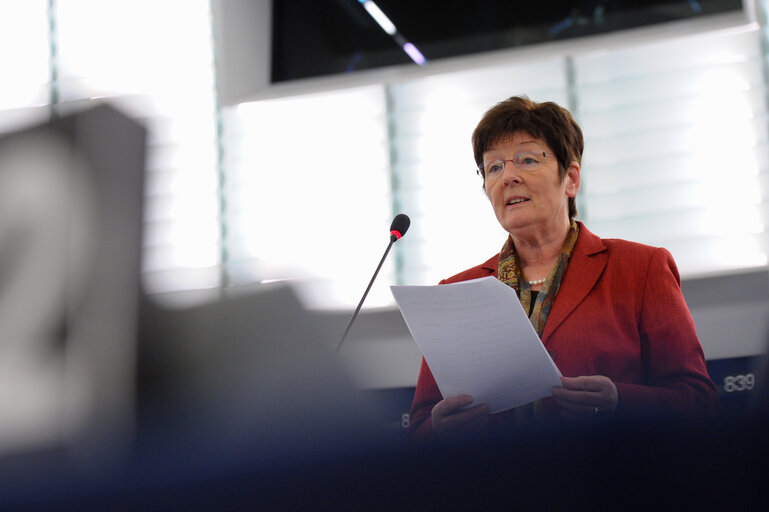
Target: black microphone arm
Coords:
[[398, 228]]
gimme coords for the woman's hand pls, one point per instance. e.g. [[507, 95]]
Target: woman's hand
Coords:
[[451, 420], [587, 396]]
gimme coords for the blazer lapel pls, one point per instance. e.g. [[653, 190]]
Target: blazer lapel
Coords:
[[491, 265], [585, 267]]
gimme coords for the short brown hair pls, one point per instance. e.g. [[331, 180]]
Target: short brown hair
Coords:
[[545, 121]]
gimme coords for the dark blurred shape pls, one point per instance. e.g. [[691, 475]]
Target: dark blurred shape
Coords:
[[323, 38], [70, 240], [760, 403], [253, 372]]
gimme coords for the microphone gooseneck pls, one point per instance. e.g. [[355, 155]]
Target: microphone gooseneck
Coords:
[[398, 228]]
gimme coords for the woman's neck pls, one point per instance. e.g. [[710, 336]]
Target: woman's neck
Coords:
[[542, 248]]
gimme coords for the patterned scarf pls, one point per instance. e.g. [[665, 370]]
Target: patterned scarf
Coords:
[[509, 272]]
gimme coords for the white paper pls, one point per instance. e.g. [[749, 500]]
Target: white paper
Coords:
[[478, 341]]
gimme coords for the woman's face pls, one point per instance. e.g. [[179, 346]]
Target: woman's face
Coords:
[[523, 184]]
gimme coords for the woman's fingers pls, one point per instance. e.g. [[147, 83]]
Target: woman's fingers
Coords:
[[450, 405], [586, 395], [453, 416]]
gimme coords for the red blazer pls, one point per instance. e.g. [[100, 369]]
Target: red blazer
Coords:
[[619, 312]]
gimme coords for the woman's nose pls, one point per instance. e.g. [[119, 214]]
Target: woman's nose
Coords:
[[511, 173]]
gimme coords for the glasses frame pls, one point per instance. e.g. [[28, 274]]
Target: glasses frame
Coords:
[[515, 161]]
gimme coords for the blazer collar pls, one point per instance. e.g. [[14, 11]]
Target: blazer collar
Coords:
[[491, 264], [588, 259], [587, 262], [588, 244]]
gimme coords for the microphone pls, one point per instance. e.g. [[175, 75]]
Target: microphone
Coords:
[[398, 228]]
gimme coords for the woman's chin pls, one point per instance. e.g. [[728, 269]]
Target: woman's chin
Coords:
[[512, 224]]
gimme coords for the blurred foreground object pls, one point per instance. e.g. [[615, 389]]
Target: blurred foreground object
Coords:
[[70, 238], [252, 375]]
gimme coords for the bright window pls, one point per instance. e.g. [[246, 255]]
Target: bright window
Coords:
[[308, 194]]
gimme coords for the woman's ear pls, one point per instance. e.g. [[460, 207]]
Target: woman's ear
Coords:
[[572, 179]]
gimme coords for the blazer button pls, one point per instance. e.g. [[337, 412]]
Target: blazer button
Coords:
[[552, 354]]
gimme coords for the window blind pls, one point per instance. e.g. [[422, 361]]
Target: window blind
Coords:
[[676, 146], [157, 65], [24, 62], [676, 149]]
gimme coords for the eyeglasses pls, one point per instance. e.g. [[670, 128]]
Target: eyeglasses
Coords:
[[528, 161]]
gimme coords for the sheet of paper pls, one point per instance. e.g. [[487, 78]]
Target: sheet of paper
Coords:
[[478, 341]]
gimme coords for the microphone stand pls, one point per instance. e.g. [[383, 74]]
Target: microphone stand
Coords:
[[393, 238]]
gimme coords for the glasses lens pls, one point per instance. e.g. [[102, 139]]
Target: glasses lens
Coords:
[[529, 160], [494, 169]]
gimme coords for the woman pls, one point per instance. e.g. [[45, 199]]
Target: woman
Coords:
[[610, 312]]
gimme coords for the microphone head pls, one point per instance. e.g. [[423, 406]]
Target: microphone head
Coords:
[[399, 226]]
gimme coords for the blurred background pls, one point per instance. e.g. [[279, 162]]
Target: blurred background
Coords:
[[214, 181]]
